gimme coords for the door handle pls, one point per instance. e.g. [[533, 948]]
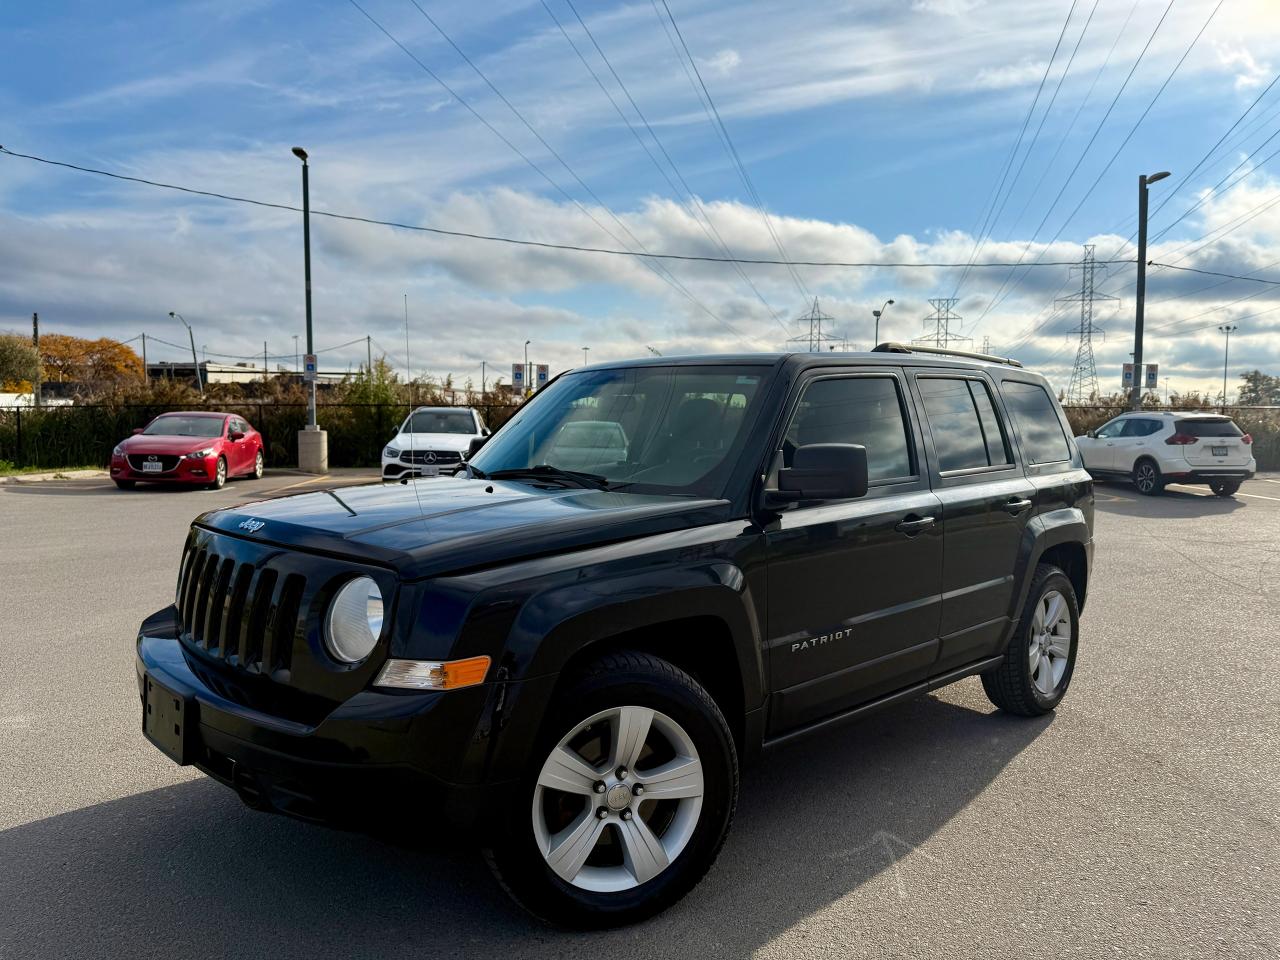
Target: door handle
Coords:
[[911, 527], [1015, 506]]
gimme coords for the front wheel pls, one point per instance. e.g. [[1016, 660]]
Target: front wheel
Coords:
[[1147, 478], [628, 797], [219, 475], [257, 466], [1224, 488], [1041, 656]]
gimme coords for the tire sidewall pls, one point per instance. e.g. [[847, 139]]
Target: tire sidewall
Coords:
[[258, 466], [519, 861], [1052, 579], [219, 474]]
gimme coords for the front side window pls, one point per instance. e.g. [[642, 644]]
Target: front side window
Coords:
[[660, 429], [440, 421], [1112, 429], [966, 432], [1036, 415], [862, 410], [1136, 427], [176, 425]]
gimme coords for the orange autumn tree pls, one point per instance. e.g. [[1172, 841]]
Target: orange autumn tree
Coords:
[[100, 364]]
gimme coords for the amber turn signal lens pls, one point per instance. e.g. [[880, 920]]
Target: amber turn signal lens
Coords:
[[433, 674]]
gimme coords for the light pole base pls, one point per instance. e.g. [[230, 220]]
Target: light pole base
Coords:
[[313, 450]]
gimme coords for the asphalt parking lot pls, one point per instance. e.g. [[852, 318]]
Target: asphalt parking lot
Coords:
[[1142, 819]]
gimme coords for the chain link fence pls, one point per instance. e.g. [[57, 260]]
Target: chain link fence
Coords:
[[84, 434]]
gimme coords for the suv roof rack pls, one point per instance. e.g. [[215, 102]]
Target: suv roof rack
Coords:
[[891, 347]]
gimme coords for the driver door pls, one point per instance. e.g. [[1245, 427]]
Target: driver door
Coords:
[[1099, 451], [854, 586]]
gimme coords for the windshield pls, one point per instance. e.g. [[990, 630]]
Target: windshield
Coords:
[[179, 426], [673, 429], [440, 421]]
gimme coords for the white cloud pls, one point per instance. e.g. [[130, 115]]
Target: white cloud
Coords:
[[724, 62], [1249, 72]]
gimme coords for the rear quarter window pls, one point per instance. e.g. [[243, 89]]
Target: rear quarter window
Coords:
[[1036, 415]]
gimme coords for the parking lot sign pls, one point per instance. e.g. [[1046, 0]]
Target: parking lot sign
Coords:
[[1153, 376], [544, 374], [1126, 377], [309, 367], [517, 377]]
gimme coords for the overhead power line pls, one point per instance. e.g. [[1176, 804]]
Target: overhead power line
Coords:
[[540, 244], [719, 125], [1213, 273], [658, 269]]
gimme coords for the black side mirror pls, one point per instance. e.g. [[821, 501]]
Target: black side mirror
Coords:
[[1092, 434], [824, 471], [475, 444]]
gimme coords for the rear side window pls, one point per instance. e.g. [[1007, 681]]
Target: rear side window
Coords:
[[1140, 428], [1037, 418], [1209, 428], [966, 431], [862, 410]]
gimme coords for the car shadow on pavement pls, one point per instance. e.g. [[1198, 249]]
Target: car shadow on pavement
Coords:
[[186, 871], [1171, 504]]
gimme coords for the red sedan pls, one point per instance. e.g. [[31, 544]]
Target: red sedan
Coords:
[[199, 448]]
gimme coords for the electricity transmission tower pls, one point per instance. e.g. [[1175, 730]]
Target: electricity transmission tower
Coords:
[[942, 317], [1083, 386], [814, 338]]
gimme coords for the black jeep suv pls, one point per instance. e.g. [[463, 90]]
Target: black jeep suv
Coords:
[[652, 571]]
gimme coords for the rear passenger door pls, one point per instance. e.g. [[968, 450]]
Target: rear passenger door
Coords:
[[986, 504], [853, 585]]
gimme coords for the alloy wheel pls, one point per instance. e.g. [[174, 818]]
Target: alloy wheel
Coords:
[[1146, 477], [257, 466], [618, 799], [1049, 649]]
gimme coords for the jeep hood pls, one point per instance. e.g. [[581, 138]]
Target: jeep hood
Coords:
[[428, 527]]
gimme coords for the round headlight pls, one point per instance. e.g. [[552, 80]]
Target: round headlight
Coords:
[[354, 621]]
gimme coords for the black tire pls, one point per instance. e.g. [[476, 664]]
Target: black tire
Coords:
[[126, 484], [219, 475], [1147, 478], [1224, 488], [259, 467], [621, 679], [1009, 686]]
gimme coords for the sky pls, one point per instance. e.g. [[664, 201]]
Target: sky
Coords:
[[871, 132]]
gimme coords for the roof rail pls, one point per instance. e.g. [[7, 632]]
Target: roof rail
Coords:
[[891, 347]]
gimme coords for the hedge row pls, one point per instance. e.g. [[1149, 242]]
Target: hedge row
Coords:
[[84, 434]]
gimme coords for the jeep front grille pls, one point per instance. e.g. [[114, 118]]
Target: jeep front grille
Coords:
[[238, 612]]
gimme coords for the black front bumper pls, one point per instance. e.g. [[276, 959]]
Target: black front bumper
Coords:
[[381, 758]]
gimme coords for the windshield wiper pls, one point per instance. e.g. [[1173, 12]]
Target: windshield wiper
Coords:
[[545, 471]]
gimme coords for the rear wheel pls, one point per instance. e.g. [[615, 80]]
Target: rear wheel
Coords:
[[1041, 656], [219, 475], [1147, 478], [628, 798], [125, 484], [1224, 488]]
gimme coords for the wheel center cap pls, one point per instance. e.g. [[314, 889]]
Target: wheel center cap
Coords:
[[618, 797]]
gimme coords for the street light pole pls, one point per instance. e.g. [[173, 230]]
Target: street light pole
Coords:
[[194, 362], [306, 272], [1228, 329], [878, 314], [584, 355], [526, 367], [313, 443], [1144, 181]]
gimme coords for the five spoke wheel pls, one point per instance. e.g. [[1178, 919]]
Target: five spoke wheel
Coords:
[[1050, 642], [618, 799]]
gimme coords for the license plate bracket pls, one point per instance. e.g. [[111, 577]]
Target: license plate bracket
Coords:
[[1219, 451], [168, 719]]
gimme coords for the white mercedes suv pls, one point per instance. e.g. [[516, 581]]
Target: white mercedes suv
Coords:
[[432, 441], [1155, 448]]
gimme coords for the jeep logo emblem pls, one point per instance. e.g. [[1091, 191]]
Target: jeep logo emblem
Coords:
[[253, 526]]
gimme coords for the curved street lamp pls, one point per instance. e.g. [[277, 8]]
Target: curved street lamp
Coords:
[[878, 314], [194, 362]]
